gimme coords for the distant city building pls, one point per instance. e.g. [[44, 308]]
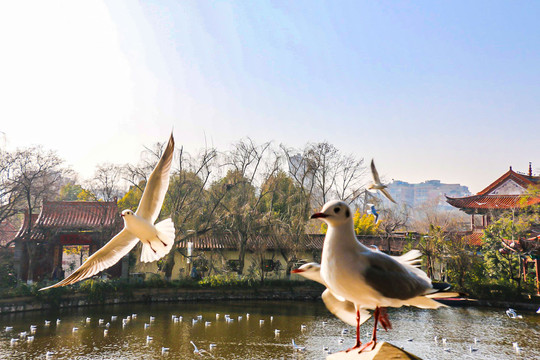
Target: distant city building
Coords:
[[430, 191]]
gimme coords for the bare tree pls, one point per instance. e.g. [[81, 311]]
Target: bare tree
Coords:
[[392, 219], [37, 174], [249, 165], [9, 195], [325, 174], [106, 181], [190, 205]]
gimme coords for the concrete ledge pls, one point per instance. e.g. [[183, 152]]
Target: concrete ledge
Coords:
[[383, 351]]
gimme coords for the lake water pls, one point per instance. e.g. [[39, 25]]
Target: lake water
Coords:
[[244, 338]]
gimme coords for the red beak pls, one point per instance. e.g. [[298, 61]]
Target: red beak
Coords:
[[318, 215], [296, 271]]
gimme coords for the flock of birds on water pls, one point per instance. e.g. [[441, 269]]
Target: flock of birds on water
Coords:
[[358, 279], [28, 336]]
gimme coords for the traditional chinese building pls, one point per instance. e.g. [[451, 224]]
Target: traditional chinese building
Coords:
[[40, 241], [507, 193]]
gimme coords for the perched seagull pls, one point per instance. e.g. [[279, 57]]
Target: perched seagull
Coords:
[[297, 347], [341, 308], [377, 184], [196, 351], [373, 211], [369, 279], [511, 313], [157, 239]]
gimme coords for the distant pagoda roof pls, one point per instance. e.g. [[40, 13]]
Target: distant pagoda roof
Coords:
[[71, 216], [507, 192]]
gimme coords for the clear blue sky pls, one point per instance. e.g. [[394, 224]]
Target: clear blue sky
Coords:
[[431, 89]]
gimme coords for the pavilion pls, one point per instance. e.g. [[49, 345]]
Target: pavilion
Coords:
[[40, 241], [508, 193]]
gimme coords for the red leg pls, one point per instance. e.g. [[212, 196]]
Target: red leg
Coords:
[[358, 342], [373, 342], [383, 319]]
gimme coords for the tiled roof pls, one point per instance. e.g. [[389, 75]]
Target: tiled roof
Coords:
[[523, 180], [491, 201], [72, 216], [272, 242], [78, 214], [475, 239], [8, 231]]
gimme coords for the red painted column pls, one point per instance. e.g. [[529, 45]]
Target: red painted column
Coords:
[[537, 277]]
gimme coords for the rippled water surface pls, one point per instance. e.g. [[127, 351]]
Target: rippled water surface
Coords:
[[244, 338]]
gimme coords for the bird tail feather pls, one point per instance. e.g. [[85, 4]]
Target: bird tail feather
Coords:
[[424, 303], [161, 244]]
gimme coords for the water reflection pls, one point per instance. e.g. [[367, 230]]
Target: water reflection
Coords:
[[245, 337]]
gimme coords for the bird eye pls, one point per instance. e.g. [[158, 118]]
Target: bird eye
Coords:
[[336, 210]]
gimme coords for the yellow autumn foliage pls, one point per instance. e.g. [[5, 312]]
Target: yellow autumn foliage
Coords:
[[364, 224]]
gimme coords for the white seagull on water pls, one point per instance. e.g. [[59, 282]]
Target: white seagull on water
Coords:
[[157, 239], [377, 184], [369, 279]]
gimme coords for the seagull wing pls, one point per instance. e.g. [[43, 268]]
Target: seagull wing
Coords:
[[102, 259], [387, 194], [394, 279], [375, 173], [412, 257], [343, 309], [157, 185]]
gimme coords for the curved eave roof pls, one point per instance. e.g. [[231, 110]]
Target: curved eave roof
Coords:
[[492, 202], [78, 215], [523, 180], [71, 216]]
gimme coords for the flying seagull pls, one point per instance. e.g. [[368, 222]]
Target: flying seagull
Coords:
[[373, 211], [369, 279], [377, 184], [157, 240]]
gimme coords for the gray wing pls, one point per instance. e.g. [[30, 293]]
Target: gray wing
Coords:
[[387, 194], [157, 185], [343, 309], [393, 279], [102, 259], [375, 173]]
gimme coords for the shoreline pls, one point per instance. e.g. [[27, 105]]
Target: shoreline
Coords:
[[168, 295]]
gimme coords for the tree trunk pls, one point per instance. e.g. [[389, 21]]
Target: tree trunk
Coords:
[[242, 253], [169, 265], [31, 252]]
